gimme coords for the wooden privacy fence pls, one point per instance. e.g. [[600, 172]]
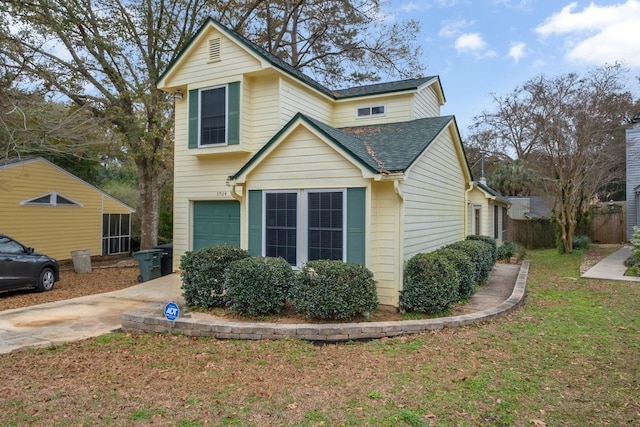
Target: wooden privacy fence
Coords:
[[608, 226], [531, 233]]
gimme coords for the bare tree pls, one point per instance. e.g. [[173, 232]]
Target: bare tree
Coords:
[[567, 128]]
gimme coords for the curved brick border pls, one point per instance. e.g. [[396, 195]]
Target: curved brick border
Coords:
[[329, 332]]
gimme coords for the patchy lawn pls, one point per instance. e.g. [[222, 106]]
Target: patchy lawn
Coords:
[[568, 357]]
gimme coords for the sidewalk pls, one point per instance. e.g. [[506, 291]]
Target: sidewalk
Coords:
[[612, 267]]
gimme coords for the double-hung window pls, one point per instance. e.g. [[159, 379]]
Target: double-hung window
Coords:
[[305, 225], [213, 116]]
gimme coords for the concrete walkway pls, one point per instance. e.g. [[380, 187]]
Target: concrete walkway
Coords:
[[612, 267], [140, 307]]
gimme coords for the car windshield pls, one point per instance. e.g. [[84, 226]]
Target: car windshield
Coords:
[[8, 246]]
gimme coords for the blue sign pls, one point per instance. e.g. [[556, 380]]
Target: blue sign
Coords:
[[171, 311]]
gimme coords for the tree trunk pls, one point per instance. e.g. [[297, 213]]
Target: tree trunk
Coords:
[[150, 186]]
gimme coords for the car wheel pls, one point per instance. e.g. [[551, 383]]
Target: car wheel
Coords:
[[46, 279]]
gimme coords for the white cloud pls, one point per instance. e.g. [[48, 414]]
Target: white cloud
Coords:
[[473, 43], [517, 51], [415, 6], [453, 28], [524, 5], [597, 34]]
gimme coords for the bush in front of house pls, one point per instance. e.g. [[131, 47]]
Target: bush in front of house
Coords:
[[465, 268], [333, 290], [481, 255], [257, 286], [491, 242], [430, 284], [203, 274]]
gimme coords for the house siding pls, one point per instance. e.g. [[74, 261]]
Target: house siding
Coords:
[[426, 103], [434, 195], [398, 109], [195, 70], [54, 230], [633, 178], [295, 98], [386, 221]]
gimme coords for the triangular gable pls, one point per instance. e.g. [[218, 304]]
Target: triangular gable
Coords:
[[5, 164], [491, 194], [367, 168]]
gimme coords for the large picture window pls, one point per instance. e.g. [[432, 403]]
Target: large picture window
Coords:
[[213, 116], [305, 226]]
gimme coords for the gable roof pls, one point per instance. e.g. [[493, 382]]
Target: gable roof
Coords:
[[381, 149], [283, 66], [16, 161]]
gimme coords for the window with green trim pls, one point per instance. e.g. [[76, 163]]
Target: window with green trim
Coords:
[[214, 116]]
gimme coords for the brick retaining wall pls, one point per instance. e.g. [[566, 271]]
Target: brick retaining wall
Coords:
[[327, 332]]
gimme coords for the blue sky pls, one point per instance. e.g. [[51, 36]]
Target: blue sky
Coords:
[[492, 46]]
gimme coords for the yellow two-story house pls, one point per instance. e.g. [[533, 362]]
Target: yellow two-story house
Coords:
[[270, 160]]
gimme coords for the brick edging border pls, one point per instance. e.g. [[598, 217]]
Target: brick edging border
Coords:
[[325, 332]]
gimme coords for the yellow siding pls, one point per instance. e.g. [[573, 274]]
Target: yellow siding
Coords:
[[260, 116], [196, 71], [426, 103], [54, 230], [296, 98], [385, 237], [434, 195], [302, 161], [398, 109]]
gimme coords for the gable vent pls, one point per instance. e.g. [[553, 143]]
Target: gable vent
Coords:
[[214, 49]]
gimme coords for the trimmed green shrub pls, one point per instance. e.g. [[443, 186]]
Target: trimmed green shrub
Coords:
[[491, 242], [507, 250], [480, 254], [466, 271], [203, 274], [430, 284], [257, 286], [333, 290], [581, 242]]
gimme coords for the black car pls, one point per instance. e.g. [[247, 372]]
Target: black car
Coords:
[[21, 267]]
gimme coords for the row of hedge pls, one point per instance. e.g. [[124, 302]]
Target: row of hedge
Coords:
[[225, 276], [435, 281]]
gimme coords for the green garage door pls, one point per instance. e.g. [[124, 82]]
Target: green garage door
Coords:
[[216, 223]]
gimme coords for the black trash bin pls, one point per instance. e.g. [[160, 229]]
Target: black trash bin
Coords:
[[166, 262]]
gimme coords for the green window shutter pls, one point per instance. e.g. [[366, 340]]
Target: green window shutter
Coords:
[[356, 207], [193, 118], [233, 121], [255, 222]]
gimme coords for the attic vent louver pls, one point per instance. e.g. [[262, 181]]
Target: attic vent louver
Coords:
[[214, 49]]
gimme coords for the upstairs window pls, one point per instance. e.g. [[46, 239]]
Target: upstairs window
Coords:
[[372, 111], [214, 116], [51, 199]]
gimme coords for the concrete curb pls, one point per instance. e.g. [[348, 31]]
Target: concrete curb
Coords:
[[327, 332]]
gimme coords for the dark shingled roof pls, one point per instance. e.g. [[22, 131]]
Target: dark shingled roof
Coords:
[[384, 148], [380, 88]]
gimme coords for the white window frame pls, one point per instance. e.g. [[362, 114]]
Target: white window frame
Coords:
[[371, 113], [53, 201], [302, 221], [226, 116]]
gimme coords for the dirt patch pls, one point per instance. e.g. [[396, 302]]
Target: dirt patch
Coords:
[[72, 285]]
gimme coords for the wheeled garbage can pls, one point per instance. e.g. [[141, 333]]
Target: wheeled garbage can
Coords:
[[149, 261], [166, 263]]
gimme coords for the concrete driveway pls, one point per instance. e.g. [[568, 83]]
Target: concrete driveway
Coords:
[[84, 317]]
